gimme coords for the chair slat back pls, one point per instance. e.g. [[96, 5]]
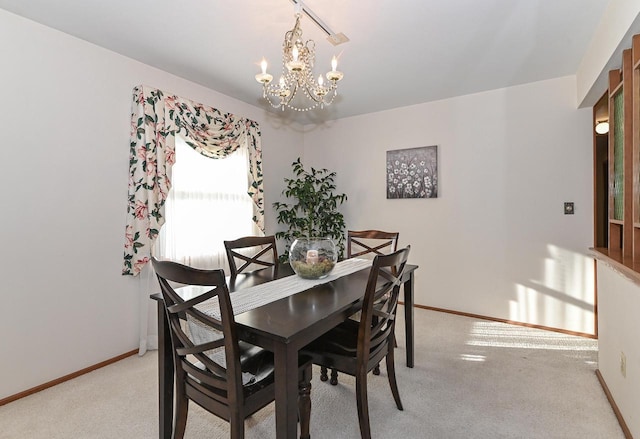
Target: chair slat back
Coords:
[[370, 243], [249, 252], [210, 359], [377, 323]]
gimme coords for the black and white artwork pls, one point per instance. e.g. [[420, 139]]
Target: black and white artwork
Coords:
[[413, 172]]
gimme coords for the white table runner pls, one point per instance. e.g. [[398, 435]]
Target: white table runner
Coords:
[[258, 295]]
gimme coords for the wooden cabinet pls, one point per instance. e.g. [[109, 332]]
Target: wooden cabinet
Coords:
[[624, 157], [616, 164], [632, 135], [623, 223]]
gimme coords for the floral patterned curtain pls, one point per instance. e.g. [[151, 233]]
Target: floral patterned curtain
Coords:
[[155, 120]]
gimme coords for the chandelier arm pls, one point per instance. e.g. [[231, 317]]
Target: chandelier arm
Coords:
[[293, 90]]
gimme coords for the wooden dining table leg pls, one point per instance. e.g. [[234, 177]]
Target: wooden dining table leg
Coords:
[[165, 375], [408, 317], [286, 383]]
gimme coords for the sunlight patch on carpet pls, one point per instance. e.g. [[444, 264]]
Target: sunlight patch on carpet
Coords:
[[496, 334]]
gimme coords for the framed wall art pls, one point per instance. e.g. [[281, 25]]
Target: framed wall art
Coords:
[[413, 172]]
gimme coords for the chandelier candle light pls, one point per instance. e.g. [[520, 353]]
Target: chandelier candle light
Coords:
[[297, 74]]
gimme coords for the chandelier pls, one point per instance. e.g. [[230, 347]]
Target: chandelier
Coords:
[[297, 78]]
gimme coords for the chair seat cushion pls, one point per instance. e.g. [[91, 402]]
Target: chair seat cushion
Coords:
[[341, 340], [257, 364]]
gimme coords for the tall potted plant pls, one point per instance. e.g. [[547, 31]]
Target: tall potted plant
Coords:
[[313, 211]]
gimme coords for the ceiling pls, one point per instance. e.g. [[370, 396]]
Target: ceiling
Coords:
[[401, 52]]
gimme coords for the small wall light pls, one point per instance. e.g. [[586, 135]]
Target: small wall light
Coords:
[[602, 127]]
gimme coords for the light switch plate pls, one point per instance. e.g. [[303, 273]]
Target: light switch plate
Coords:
[[568, 208]]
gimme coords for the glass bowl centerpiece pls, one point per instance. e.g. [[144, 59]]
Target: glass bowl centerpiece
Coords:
[[313, 258]]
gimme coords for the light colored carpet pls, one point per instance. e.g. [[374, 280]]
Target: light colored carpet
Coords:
[[473, 379]]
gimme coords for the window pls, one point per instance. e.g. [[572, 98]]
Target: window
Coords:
[[208, 203]]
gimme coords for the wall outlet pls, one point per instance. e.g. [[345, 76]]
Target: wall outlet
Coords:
[[623, 364]]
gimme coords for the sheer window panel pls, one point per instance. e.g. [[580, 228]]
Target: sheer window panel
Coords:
[[208, 203]]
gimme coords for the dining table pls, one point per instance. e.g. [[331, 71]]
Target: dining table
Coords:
[[282, 326]]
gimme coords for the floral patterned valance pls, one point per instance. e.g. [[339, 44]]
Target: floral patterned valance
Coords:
[[155, 120]]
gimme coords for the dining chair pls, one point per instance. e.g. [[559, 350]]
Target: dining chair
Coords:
[[371, 243], [251, 251], [229, 378], [365, 243], [355, 348]]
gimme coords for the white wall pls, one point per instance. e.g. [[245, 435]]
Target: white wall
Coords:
[[495, 242], [65, 118], [618, 329]]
